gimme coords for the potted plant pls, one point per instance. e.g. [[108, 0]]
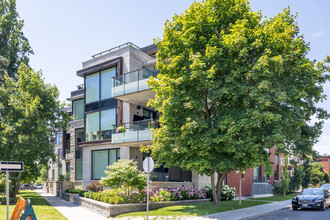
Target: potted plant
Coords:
[[120, 129]]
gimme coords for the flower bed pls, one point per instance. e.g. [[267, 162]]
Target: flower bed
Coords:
[[115, 196]]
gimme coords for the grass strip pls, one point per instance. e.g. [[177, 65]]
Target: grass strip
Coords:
[[42, 209], [276, 198], [197, 209]]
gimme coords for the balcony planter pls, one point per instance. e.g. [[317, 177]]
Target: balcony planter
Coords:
[[120, 129]]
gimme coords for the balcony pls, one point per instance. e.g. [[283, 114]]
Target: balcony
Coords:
[[132, 87], [134, 134]]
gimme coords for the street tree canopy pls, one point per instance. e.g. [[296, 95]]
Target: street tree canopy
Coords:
[[233, 83], [14, 46], [30, 112]]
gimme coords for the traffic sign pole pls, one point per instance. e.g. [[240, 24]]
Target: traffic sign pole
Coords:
[[148, 166], [10, 166], [148, 192], [7, 193]]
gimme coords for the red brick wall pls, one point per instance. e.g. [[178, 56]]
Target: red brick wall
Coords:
[[233, 181], [325, 161], [233, 178]]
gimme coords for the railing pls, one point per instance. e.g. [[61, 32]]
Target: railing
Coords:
[[116, 48], [134, 131], [261, 179], [132, 81]]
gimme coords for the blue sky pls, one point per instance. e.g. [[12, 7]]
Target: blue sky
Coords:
[[65, 33]]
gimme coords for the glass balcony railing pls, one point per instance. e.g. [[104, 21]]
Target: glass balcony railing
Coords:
[[133, 81], [133, 132]]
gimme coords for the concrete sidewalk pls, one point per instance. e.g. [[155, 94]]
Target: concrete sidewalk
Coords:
[[251, 212], [70, 210]]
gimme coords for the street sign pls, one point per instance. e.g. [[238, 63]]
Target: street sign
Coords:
[[148, 164], [11, 166]]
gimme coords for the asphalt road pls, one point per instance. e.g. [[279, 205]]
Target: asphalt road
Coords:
[[301, 214]]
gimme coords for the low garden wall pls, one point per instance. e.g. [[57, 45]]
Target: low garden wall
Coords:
[[109, 210]]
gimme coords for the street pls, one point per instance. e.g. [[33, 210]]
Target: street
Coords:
[[301, 214]]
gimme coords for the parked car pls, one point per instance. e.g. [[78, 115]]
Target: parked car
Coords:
[[326, 186], [314, 198], [38, 186], [27, 187]]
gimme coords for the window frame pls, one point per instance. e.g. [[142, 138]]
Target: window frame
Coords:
[[108, 150]]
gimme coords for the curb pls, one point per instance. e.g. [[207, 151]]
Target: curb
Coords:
[[265, 213]]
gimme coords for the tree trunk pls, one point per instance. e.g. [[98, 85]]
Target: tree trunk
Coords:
[[214, 191], [15, 183], [221, 177]]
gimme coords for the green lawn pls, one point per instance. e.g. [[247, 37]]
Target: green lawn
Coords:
[[199, 209], [276, 198], [43, 210]]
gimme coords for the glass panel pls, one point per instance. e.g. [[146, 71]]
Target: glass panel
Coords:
[[79, 138], [100, 162], [92, 126], [58, 139], [78, 109], [92, 88], [60, 169], [106, 82], [60, 153], [108, 119], [112, 156]]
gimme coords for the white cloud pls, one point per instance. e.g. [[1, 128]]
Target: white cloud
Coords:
[[317, 34], [323, 146]]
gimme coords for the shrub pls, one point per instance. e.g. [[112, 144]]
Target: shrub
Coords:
[[94, 186], [183, 193], [208, 192], [124, 173], [76, 191], [60, 178], [279, 189], [108, 196], [227, 193], [160, 196]]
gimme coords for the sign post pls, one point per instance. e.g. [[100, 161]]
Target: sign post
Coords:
[[148, 166], [10, 166]]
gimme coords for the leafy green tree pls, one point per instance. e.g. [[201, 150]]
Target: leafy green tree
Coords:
[[307, 168], [317, 173], [296, 179], [29, 113], [326, 178], [233, 83], [124, 173], [14, 46]]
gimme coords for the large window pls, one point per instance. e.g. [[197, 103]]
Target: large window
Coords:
[[99, 125], [92, 88], [99, 85], [106, 83], [58, 139], [79, 136], [92, 126], [102, 159], [78, 109]]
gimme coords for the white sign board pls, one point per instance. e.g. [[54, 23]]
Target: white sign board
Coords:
[[148, 164], [11, 166]]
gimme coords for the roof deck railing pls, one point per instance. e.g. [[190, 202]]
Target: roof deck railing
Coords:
[[116, 48]]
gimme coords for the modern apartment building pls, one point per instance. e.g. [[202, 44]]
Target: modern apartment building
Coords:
[[111, 119]]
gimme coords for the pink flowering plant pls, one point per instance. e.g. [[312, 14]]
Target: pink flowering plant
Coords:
[[120, 196]]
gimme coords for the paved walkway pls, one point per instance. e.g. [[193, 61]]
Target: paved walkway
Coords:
[[70, 210], [251, 212]]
